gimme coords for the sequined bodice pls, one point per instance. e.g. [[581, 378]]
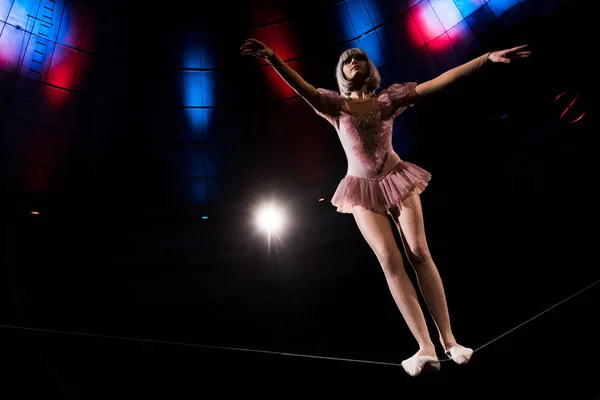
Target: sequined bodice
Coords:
[[369, 135], [367, 125]]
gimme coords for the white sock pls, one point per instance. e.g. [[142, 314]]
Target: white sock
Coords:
[[414, 365], [460, 354]]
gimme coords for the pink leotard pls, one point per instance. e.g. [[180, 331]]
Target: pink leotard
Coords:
[[367, 136]]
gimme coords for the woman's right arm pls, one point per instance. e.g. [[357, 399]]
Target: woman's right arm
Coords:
[[291, 77]]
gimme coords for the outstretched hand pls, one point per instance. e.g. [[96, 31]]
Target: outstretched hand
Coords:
[[506, 56], [257, 49]]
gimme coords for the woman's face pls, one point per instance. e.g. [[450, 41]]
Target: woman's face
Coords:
[[355, 66]]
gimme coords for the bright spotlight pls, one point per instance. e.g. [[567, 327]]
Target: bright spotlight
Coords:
[[270, 218]]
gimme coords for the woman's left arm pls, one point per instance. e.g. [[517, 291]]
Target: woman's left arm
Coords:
[[455, 74]]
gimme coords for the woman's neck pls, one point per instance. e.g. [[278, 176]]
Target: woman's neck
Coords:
[[360, 96]]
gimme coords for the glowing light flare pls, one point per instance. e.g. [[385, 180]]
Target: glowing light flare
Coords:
[[270, 218], [427, 21], [447, 12]]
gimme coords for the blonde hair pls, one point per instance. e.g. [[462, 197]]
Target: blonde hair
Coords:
[[345, 85]]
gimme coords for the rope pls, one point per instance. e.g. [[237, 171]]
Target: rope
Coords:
[[283, 353]]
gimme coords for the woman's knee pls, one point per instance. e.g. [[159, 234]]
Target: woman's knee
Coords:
[[389, 259], [420, 255]]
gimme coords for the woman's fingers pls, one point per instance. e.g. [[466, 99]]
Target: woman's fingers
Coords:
[[254, 41]]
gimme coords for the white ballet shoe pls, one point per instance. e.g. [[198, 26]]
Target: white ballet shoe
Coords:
[[415, 364], [459, 354]]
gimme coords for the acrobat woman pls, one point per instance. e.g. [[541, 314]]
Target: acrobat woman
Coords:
[[379, 184]]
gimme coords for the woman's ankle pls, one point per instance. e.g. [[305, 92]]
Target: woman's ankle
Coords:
[[448, 343], [426, 347]]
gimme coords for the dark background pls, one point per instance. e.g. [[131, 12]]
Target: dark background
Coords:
[[119, 287]]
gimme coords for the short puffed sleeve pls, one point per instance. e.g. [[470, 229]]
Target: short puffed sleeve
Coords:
[[397, 97], [329, 106]]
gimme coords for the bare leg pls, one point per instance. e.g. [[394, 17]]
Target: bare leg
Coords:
[[377, 231], [411, 226]]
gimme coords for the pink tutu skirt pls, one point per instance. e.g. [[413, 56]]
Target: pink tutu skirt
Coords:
[[382, 194]]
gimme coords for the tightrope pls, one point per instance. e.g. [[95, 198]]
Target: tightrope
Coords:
[[278, 353]]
